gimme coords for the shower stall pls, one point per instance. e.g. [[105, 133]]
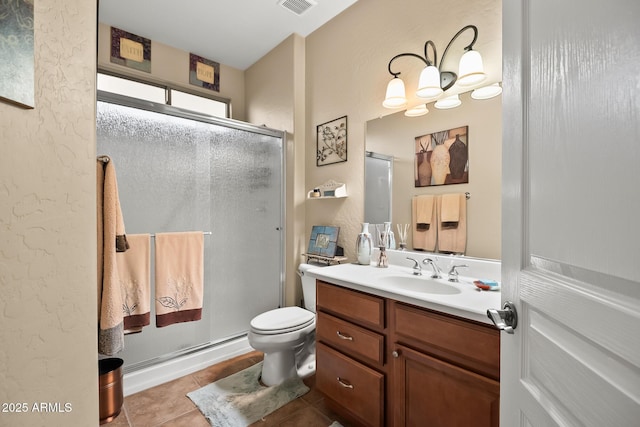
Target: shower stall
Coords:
[[182, 171]]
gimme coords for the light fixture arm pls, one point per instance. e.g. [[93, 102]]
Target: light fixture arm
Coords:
[[425, 59], [469, 47]]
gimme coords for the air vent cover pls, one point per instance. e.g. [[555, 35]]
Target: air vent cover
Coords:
[[297, 6]]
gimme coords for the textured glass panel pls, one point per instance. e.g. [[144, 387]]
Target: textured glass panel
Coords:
[[198, 103], [177, 174]]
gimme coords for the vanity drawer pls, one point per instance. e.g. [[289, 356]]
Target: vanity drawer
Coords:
[[349, 338], [365, 309], [354, 386], [471, 345]]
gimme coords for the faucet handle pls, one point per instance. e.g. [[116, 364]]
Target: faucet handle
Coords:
[[453, 273]]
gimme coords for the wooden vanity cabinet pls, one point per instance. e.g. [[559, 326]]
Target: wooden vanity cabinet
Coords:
[[381, 362], [350, 363], [446, 370]]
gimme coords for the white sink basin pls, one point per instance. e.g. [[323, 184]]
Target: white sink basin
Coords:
[[419, 284]]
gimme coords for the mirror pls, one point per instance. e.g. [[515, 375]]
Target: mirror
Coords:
[[378, 179], [393, 136]]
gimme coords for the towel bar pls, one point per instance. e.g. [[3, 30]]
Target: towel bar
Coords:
[[206, 233]]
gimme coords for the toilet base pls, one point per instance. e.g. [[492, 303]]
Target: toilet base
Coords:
[[278, 367]]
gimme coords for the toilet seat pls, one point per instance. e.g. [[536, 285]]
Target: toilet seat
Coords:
[[282, 320]]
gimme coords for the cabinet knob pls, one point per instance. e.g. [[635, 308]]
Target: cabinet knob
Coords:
[[395, 353]]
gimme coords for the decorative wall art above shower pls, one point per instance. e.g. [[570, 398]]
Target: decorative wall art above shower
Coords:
[[130, 50], [442, 157], [204, 72], [332, 142]]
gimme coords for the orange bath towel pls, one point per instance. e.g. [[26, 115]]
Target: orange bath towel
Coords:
[[111, 239]]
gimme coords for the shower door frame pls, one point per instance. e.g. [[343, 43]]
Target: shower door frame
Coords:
[[140, 104]]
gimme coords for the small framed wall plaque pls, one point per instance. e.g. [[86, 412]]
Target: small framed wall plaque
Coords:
[[204, 72], [130, 50]]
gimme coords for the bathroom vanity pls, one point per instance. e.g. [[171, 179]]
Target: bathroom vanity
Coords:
[[390, 353]]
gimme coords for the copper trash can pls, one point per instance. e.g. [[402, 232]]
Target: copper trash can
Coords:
[[110, 381]]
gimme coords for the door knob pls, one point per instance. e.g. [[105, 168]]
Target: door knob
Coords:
[[505, 319]]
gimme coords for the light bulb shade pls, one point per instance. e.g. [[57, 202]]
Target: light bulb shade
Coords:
[[418, 110], [487, 92], [396, 96], [471, 70], [452, 101], [429, 83]]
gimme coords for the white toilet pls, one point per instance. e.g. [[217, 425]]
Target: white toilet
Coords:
[[286, 336]]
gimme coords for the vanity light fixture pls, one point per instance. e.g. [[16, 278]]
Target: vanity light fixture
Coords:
[[448, 102], [418, 110], [487, 92], [434, 81]]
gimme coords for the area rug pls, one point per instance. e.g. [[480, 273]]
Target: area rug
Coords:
[[239, 399]]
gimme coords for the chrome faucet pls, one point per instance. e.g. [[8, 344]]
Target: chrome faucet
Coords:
[[436, 273], [453, 273], [417, 270]]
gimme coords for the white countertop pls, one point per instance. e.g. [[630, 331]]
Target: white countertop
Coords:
[[469, 303]]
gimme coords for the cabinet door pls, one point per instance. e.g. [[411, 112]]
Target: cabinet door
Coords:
[[430, 392]]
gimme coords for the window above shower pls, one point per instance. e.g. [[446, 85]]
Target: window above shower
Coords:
[[163, 95]]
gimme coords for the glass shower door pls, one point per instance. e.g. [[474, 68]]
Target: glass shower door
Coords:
[[179, 171]]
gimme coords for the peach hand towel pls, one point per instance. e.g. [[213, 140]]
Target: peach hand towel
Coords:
[[424, 211], [453, 239], [450, 210], [179, 277], [111, 239], [423, 238], [135, 285]]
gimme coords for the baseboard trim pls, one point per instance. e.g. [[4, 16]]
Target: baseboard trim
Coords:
[[152, 376]]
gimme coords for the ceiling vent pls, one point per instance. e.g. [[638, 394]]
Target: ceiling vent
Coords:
[[297, 6]]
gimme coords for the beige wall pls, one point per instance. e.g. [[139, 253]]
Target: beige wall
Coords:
[[171, 65], [347, 75], [48, 225]]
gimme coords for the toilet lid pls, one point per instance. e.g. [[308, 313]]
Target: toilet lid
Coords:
[[282, 320]]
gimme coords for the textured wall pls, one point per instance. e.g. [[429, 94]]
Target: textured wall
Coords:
[[347, 75], [48, 350]]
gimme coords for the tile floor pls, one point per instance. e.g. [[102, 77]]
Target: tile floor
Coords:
[[167, 405]]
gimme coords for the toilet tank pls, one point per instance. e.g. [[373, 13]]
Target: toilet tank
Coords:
[[308, 286]]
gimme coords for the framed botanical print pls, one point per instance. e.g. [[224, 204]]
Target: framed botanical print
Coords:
[[331, 143]]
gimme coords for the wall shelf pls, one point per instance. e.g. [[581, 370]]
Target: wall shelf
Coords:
[[329, 190]]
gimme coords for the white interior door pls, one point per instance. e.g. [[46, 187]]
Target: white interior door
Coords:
[[571, 213]]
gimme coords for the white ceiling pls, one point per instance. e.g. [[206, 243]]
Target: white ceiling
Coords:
[[232, 32]]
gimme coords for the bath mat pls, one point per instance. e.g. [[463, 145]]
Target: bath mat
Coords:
[[239, 399]]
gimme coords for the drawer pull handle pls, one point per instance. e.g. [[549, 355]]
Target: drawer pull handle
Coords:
[[344, 337], [344, 384]]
